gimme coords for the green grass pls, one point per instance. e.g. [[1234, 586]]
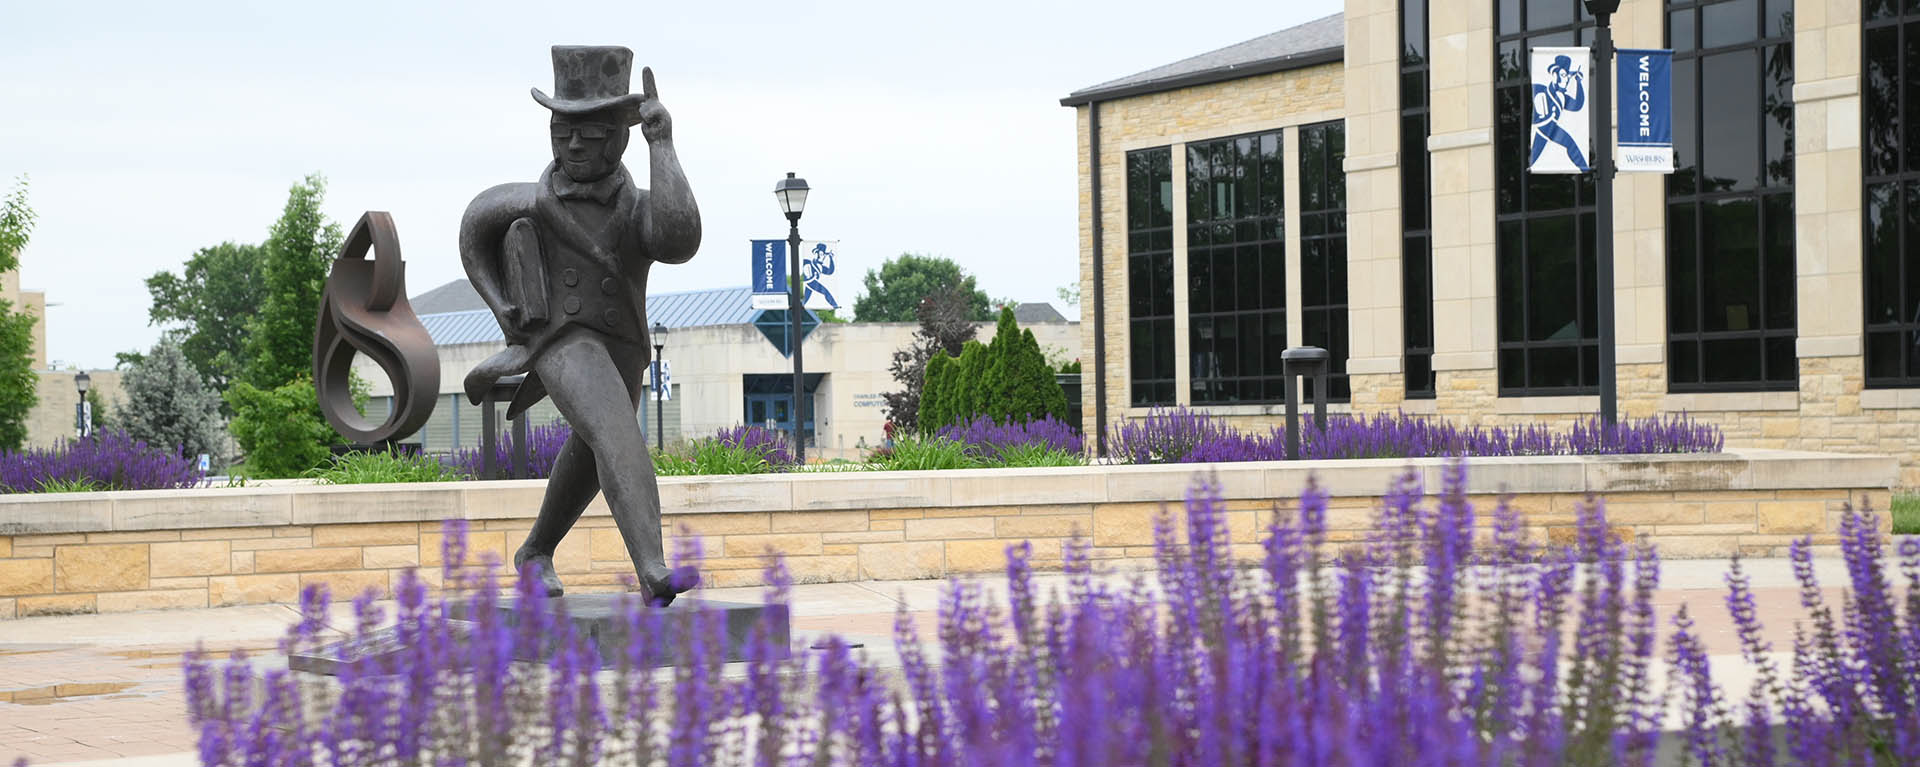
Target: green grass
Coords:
[[370, 468], [70, 486], [923, 454], [1906, 513], [709, 456]]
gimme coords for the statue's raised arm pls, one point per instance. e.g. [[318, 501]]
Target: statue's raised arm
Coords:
[[669, 219]]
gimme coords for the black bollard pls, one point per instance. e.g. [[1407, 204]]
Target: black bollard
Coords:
[[1297, 363]]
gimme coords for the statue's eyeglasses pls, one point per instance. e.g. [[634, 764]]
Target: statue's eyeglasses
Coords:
[[589, 131]]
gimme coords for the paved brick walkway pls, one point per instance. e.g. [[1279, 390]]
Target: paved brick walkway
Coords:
[[108, 687]]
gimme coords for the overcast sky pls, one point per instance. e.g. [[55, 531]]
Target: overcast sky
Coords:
[[151, 130]]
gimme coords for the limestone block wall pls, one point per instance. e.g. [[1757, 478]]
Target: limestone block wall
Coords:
[[120, 551]]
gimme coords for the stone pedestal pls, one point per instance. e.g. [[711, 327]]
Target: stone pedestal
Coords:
[[597, 618]]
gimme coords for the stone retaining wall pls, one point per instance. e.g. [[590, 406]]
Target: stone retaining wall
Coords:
[[118, 551]]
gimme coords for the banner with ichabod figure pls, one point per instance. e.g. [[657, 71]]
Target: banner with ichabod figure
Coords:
[[1561, 139], [816, 274], [1646, 110]]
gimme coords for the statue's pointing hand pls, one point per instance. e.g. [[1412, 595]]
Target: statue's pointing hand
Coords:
[[655, 124]]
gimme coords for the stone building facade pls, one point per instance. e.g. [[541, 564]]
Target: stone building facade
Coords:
[[1770, 286]]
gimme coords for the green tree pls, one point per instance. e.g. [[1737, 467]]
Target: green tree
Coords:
[[943, 329], [1016, 382], [169, 405], [964, 400], [280, 429], [936, 394], [279, 339], [18, 383], [208, 305], [894, 291]]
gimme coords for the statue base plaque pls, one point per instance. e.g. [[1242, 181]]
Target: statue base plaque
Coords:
[[595, 617]]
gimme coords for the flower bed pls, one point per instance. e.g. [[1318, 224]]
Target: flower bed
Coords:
[[1413, 648], [110, 461]]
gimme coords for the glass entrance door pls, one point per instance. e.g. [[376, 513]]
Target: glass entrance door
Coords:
[[770, 398]]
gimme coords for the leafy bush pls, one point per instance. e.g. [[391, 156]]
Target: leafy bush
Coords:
[[367, 468], [1180, 435], [1166, 436], [739, 450], [111, 461], [281, 430], [767, 443], [1411, 648], [543, 448], [986, 439], [928, 454], [1033, 454]]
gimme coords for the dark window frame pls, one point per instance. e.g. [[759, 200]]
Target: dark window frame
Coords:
[[1416, 188], [1150, 282], [1899, 172], [1323, 227], [1692, 365], [1217, 371], [1520, 352]]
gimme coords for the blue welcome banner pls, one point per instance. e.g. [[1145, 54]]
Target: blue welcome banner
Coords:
[[1646, 110], [769, 274]]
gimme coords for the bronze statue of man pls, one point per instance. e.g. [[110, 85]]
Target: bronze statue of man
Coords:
[[563, 264]]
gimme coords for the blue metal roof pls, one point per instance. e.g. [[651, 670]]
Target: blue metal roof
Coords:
[[684, 309]]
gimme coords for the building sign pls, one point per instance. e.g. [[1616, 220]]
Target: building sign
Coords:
[[817, 268], [869, 400], [769, 274], [1646, 110], [1562, 125]]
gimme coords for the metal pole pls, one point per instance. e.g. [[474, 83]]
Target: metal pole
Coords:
[[489, 437], [80, 417], [1293, 381], [793, 336], [659, 408], [1603, 187]]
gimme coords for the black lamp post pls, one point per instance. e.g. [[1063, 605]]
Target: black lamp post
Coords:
[[81, 423], [1603, 169], [659, 388], [792, 193]]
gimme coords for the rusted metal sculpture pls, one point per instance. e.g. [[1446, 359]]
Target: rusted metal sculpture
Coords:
[[563, 262], [364, 309]]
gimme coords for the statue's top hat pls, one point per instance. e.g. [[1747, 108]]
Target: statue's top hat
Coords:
[[591, 78]]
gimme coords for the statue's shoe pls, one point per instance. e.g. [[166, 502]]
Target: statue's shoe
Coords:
[[533, 564], [661, 584]]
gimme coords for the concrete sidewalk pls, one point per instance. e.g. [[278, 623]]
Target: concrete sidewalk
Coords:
[[107, 689]]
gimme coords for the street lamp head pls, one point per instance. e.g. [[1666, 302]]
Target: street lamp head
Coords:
[[659, 331], [792, 194], [81, 381], [1600, 8]]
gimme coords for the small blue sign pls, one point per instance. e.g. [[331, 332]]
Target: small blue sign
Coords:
[[1646, 110], [769, 274]]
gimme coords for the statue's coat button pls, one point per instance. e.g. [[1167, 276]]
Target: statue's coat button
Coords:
[[609, 286], [571, 305], [570, 277], [611, 317]]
